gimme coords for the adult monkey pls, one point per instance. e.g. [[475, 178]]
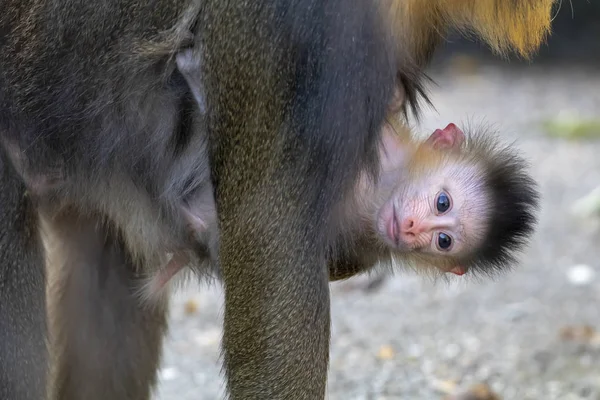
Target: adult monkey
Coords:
[[296, 94]]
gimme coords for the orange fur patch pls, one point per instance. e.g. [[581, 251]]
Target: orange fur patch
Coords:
[[505, 25]]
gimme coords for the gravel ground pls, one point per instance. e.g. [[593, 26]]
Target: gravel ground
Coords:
[[412, 338]]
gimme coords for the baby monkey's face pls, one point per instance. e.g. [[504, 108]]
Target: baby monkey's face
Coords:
[[439, 207], [442, 212]]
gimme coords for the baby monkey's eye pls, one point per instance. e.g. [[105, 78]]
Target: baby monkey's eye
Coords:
[[444, 241], [442, 202]]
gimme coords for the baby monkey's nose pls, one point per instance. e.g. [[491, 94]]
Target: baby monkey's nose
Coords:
[[409, 229]]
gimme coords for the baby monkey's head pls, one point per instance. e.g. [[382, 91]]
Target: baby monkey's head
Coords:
[[461, 204]]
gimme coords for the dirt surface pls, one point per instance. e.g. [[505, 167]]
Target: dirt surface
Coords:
[[410, 338]]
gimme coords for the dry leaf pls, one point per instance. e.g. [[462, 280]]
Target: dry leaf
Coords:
[[477, 392], [386, 353], [583, 333]]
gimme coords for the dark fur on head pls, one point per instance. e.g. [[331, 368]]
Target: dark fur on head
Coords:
[[514, 199]]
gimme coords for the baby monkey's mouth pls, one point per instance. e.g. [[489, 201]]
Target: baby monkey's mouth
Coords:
[[394, 228]]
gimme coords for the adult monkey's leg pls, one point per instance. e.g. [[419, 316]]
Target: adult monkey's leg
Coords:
[[295, 105], [106, 342]]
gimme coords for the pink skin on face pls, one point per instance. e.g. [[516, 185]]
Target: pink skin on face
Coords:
[[415, 224]]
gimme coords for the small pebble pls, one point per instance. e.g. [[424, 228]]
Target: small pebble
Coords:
[[580, 274], [444, 387], [169, 373], [415, 351]]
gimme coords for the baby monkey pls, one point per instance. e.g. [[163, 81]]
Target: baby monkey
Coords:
[[387, 210]]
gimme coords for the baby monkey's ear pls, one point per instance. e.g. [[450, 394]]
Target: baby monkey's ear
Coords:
[[449, 138]]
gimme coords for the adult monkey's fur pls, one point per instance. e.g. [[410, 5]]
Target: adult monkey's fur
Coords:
[[505, 25], [296, 94]]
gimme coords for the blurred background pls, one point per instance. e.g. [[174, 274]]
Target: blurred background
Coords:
[[531, 334]]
